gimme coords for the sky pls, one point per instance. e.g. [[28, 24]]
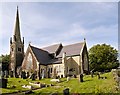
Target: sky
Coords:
[[48, 23]]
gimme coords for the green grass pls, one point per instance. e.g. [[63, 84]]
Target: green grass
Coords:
[[14, 82], [90, 85]]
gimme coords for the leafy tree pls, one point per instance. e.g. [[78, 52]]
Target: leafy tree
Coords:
[[103, 57], [5, 60]]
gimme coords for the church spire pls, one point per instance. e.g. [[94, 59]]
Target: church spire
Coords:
[[17, 36], [16, 47]]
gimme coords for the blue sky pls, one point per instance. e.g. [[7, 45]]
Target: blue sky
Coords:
[[48, 23]]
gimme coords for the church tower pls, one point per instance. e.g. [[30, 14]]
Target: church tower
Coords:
[[16, 47]]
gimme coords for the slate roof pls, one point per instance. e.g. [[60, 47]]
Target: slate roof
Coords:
[[41, 55], [71, 50], [55, 60], [52, 48]]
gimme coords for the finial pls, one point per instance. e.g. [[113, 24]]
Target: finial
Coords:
[[84, 39], [29, 42], [17, 7]]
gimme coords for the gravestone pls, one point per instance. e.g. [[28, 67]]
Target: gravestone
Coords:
[[33, 76], [3, 83], [68, 78], [91, 74], [74, 76], [98, 76], [27, 75], [55, 80], [6, 74], [17, 76], [81, 78], [39, 76], [11, 74], [3, 74], [43, 74], [66, 91], [23, 74]]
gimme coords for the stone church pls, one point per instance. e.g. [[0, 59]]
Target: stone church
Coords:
[[51, 61], [16, 48]]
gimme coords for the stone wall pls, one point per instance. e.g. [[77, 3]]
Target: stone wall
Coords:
[[116, 76]]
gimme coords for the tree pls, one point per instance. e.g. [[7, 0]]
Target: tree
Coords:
[[5, 60], [103, 57]]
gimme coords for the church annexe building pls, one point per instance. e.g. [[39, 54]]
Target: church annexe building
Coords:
[[52, 61]]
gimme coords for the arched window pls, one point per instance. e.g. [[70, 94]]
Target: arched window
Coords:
[[29, 65]]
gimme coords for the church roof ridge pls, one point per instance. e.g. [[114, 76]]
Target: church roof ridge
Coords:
[[51, 45], [36, 47], [73, 44]]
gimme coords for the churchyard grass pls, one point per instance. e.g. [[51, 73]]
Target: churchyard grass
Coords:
[[90, 85], [14, 85]]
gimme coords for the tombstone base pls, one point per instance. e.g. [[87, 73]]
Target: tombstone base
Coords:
[[3, 83], [66, 91]]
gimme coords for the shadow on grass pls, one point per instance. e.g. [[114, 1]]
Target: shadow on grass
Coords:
[[62, 81], [87, 80]]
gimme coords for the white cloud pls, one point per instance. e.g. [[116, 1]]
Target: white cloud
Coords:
[[60, 1], [48, 23]]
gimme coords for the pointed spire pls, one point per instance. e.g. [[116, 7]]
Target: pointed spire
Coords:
[[17, 28], [84, 39]]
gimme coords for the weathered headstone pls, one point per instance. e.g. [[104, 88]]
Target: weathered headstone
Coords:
[[55, 80], [6, 74], [3, 83], [81, 78], [98, 76], [91, 74], [43, 74], [11, 73], [33, 76], [66, 91], [39, 76], [74, 76], [68, 78], [27, 75], [2, 74], [23, 74]]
